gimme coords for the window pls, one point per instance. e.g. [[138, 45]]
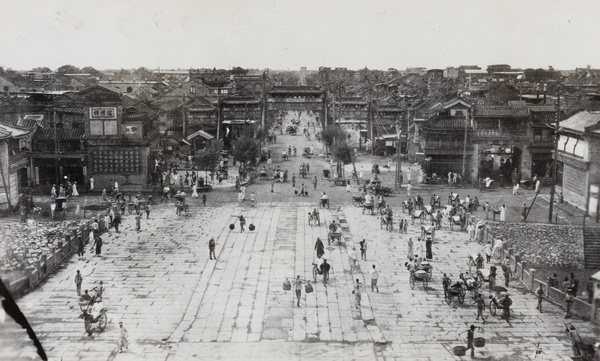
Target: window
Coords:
[[103, 127], [193, 89], [129, 89], [5, 88]]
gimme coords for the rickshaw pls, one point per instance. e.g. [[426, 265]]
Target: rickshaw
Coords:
[[387, 222], [306, 153], [93, 313], [471, 283], [291, 129], [326, 174], [455, 290], [303, 172], [182, 208], [418, 214], [422, 275], [61, 207], [222, 172]]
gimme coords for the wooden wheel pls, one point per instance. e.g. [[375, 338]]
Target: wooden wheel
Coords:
[[492, 308], [411, 280], [102, 321], [447, 296], [461, 296]]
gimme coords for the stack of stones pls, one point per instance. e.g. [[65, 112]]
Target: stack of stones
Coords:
[[22, 245]]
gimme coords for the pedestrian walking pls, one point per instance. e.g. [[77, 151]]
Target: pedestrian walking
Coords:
[[242, 224], [406, 226], [97, 244], [240, 197], [410, 248], [319, 248], [470, 338], [269, 163], [117, 221], [492, 277], [507, 273], [211, 249], [104, 197], [80, 248], [298, 286], [353, 260], [204, 199], [569, 303], [357, 293], [374, 278], [471, 231], [252, 199], [123, 340], [428, 250], [78, 282], [503, 213], [590, 291], [147, 209], [574, 284], [289, 150], [524, 212], [53, 191], [488, 251], [295, 151], [74, 191], [307, 168], [540, 296], [273, 184], [91, 184], [515, 189], [194, 191], [363, 249], [315, 183], [479, 261], [480, 307], [408, 189], [293, 180], [553, 281], [138, 223], [487, 208], [506, 303]]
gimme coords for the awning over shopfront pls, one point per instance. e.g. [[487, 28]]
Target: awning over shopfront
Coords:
[[239, 121]]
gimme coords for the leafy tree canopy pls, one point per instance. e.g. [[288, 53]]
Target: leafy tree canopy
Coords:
[[246, 150], [90, 70], [343, 152], [68, 69], [208, 158], [333, 134]]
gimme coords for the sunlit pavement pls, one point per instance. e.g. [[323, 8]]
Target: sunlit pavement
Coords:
[[179, 305]]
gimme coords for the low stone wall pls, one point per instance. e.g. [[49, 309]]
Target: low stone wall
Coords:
[[527, 277], [539, 243]]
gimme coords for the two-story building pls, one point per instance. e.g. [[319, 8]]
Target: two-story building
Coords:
[[14, 165], [579, 160], [442, 138]]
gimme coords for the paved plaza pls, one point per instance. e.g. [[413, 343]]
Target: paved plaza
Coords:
[[177, 304]]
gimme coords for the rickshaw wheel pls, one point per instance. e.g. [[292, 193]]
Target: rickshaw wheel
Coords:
[[492, 308], [461, 297], [411, 281], [425, 283], [88, 326], [102, 321], [447, 296]]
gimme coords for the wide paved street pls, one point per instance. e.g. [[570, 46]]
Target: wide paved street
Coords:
[[179, 305]]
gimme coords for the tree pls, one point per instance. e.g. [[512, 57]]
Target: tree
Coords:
[[43, 69], [333, 134], [207, 159], [90, 70], [246, 150], [68, 69]]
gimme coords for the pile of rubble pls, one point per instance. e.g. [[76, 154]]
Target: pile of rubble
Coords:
[[22, 245]]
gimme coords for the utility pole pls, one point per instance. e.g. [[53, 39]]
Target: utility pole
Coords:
[[264, 101], [55, 148], [218, 113], [183, 117], [465, 147], [555, 170], [325, 112]]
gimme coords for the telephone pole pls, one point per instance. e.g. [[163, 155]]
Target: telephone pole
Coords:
[[555, 170]]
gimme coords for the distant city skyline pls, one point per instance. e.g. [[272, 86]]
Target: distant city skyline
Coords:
[[287, 35]]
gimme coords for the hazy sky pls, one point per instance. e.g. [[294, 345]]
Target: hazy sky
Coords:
[[289, 34]]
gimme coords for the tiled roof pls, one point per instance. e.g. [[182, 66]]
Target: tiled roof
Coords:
[[541, 108], [61, 134], [580, 121], [500, 111]]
